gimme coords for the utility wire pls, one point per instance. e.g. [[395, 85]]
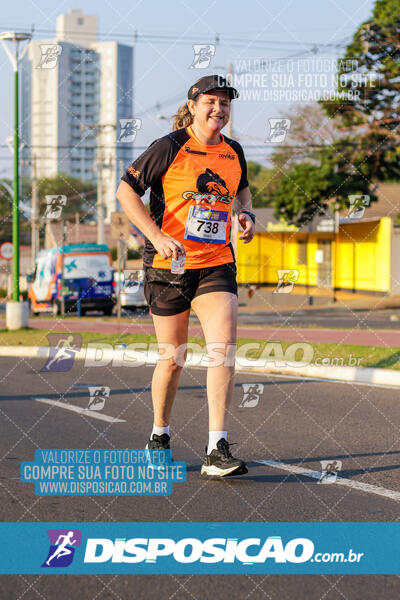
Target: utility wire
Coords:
[[220, 40]]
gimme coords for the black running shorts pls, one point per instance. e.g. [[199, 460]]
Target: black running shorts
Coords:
[[170, 294]]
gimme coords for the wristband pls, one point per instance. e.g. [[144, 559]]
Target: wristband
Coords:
[[251, 215]]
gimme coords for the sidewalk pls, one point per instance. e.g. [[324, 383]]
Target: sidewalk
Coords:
[[264, 299]]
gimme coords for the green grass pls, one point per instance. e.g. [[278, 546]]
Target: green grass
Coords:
[[124, 319], [345, 354], [38, 337], [370, 356]]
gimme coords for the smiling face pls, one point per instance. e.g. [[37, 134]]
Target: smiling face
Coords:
[[211, 111]]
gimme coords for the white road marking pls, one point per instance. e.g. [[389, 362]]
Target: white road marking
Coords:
[[82, 411], [351, 483]]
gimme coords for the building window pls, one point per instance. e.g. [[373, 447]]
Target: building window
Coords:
[[301, 252]]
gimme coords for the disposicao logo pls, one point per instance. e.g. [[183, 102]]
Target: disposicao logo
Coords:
[[62, 547], [191, 550]]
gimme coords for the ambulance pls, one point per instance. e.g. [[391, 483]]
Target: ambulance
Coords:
[[88, 275]]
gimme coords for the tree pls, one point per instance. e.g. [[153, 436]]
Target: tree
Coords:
[[371, 88], [6, 218], [5, 199], [366, 110], [263, 183], [309, 189], [310, 128], [81, 196]]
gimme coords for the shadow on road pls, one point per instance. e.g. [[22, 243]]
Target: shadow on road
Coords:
[[83, 394]]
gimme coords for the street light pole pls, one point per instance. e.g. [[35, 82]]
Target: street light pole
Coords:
[[35, 213], [336, 228], [100, 205], [15, 218], [16, 38]]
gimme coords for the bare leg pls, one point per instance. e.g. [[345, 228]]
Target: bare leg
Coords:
[[217, 312], [169, 330]]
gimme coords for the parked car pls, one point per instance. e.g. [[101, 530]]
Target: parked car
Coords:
[[132, 295], [88, 275]]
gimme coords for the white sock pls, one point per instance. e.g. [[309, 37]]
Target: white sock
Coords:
[[213, 438], [159, 430]]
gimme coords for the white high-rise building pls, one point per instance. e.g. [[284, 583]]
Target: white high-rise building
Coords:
[[74, 91]]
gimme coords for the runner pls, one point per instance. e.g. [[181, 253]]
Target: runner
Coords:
[[62, 549], [196, 176], [62, 353]]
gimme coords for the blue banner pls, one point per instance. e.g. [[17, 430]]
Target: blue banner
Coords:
[[99, 472], [200, 548]]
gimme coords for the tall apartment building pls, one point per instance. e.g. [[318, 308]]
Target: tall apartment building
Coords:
[[74, 91]]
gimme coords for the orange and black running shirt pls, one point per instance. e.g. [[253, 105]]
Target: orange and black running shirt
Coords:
[[179, 169]]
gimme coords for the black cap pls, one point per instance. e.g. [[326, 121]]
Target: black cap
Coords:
[[211, 82]]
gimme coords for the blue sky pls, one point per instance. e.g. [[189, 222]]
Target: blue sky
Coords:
[[271, 30]]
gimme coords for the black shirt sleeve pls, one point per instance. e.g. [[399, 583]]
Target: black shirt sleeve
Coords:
[[243, 183], [150, 166]]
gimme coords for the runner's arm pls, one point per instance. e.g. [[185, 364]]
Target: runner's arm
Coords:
[[137, 213], [240, 203], [242, 200]]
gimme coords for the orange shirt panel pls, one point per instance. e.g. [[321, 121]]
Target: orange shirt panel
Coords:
[[199, 169]]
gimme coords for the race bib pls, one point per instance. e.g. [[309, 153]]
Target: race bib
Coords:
[[206, 225]]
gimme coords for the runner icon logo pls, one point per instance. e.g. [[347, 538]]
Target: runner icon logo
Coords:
[[286, 280], [128, 130], [49, 55], [63, 543], [98, 396], [62, 352], [251, 394], [358, 203], [132, 280], [54, 206], [278, 130], [329, 470], [203, 54]]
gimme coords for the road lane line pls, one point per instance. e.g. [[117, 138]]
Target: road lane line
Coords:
[[351, 483], [82, 411]]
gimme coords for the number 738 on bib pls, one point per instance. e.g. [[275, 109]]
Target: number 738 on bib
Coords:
[[206, 225]]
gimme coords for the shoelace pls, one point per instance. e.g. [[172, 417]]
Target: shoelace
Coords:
[[225, 449]]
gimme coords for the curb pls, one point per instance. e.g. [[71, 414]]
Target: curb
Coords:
[[364, 375]]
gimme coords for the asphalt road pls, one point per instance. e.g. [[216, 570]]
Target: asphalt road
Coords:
[[330, 317], [296, 422]]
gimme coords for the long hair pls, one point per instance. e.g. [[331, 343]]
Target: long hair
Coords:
[[182, 118]]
